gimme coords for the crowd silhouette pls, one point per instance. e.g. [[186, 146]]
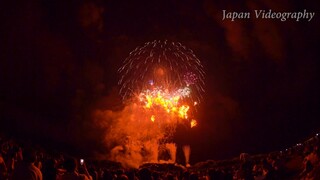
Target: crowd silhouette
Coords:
[[33, 163]]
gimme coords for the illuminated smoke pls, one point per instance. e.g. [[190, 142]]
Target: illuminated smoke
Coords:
[[133, 142], [186, 151], [161, 85], [172, 151]]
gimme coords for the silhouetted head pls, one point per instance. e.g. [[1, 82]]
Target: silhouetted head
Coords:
[[50, 164], [123, 177], [29, 155], [70, 164], [308, 166], [194, 176], [145, 173]]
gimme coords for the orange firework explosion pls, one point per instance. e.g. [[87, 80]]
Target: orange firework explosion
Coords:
[[161, 84], [159, 102], [193, 123]]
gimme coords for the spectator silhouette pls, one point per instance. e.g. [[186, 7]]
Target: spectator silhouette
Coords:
[[145, 174], [92, 171], [107, 175], [3, 168], [26, 169], [71, 173], [194, 176], [186, 175], [49, 170]]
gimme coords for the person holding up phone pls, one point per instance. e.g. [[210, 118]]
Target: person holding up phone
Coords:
[[81, 161], [72, 170]]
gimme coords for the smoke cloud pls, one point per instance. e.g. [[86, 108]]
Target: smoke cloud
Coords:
[[132, 140]]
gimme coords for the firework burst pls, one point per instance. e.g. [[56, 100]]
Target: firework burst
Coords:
[[168, 66], [160, 83], [166, 77]]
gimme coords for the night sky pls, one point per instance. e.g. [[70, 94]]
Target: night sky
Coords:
[[59, 62]]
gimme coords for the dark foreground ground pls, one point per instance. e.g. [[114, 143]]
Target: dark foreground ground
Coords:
[[298, 162]]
